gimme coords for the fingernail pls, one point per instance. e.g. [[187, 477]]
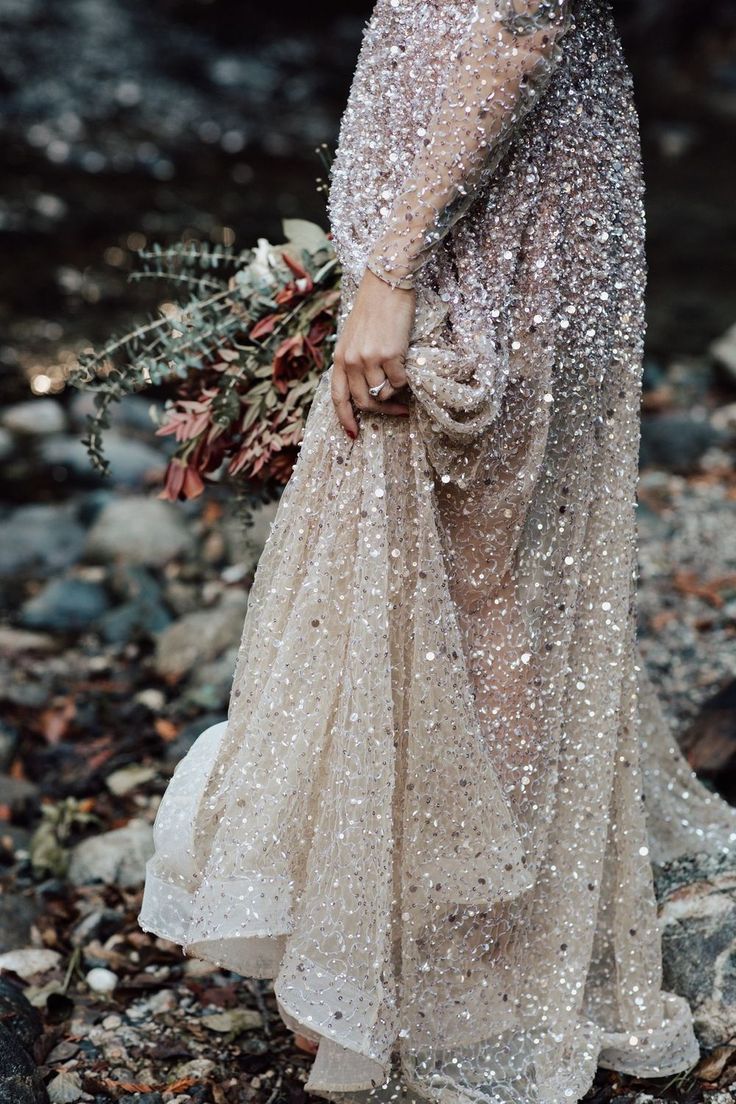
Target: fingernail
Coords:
[[351, 434]]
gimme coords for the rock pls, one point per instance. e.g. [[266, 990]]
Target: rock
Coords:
[[36, 417], [20, 1081], [115, 858], [138, 530], [143, 613], [98, 925], [8, 743], [233, 1020], [698, 921], [129, 778], [676, 441], [142, 1098], [17, 793], [133, 411], [244, 546], [17, 915], [178, 748], [65, 605], [65, 1088], [199, 1068], [101, 980], [30, 961], [152, 698], [18, 1014], [212, 683], [6, 444], [40, 538], [723, 350], [710, 739], [724, 418], [14, 641], [132, 463], [200, 637]]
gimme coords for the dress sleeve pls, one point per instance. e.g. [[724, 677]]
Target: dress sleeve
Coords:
[[496, 72]]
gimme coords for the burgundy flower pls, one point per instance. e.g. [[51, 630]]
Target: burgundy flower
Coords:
[[291, 361]]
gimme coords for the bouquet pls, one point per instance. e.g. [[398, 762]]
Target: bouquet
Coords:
[[243, 346]]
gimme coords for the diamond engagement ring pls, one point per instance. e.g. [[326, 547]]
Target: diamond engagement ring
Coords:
[[375, 391]]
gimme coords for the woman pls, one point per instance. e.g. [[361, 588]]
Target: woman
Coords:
[[423, 817]]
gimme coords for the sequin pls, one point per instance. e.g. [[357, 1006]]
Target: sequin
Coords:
[[423, 817]]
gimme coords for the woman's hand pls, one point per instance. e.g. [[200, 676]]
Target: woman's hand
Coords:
[[372, 348]]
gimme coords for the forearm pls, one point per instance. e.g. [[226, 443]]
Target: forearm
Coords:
[[496, 75]]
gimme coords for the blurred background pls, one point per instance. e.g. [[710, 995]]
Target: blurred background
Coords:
[[124, 124]]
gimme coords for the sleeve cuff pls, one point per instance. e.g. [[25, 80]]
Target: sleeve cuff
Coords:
[[405, 282]]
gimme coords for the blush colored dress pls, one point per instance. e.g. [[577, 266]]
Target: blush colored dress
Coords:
[[424, 817]]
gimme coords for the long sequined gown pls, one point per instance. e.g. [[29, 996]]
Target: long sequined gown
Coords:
[[424, 816]]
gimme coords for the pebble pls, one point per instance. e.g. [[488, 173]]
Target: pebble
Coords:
[[139, 530], [41, 538], [116, 858], [65, 605], [199, 637], [27, 962], [35, 417], [101, 980], [65, 1088]]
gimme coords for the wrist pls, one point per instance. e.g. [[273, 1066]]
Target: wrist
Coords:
[[399, 283]]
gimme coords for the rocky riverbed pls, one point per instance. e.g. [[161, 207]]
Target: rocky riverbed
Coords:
[[123, 617]]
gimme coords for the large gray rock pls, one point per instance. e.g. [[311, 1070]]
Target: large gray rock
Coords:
[[20, 1081], [36, 417], [115, 858], [131, 462], [676, 441], [42, 537], [17, 914], [698, 918], [65, 605], [139, 530], [200, 637]]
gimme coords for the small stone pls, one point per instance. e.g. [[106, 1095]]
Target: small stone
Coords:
[[122, 781], [101, 980], [116, 858], [30, 961], [233, 1020], [14, 641], [138, 530], [197, 638], [40, 538], [65, 1088], [152, 699], [131, 462], [65, 605], [201, 1068], [35, 417], [17, 914]]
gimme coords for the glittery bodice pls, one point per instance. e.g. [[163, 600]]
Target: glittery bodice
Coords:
[[424, 817]]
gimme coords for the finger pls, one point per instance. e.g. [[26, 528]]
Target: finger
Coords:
[[340, 392], [375, 376], [364, 402], [395, 371]]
